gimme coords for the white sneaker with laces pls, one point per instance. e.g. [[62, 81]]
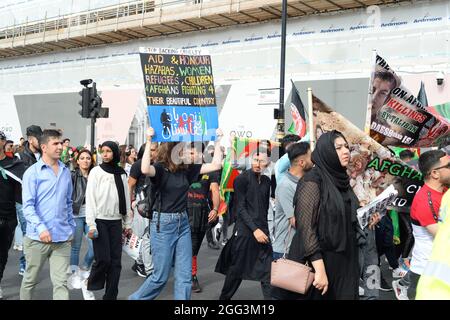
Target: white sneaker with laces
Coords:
[[401, 292], [87, 295], [399, 273]]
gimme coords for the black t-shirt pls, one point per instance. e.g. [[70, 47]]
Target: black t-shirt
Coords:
[[136, 173], [7, 192], [199, 191], [174, 192]]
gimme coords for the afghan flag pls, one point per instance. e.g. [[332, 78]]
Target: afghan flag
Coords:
[[298, 125], [243, 148]]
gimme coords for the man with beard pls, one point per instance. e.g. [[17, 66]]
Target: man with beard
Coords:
[[435, 167], [32, 152], [248, 254]]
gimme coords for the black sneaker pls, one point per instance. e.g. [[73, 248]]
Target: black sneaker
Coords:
[[213, 245], [384, 286], [195, 285], [140, 269]]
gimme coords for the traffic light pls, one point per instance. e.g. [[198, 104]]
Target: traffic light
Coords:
[[84, 103], [96, 103], [91, 102]]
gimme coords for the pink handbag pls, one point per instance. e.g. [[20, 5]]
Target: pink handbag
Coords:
[[291, 275]]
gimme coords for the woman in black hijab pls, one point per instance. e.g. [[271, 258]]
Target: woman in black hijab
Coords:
[[107, 215], [325, 211]]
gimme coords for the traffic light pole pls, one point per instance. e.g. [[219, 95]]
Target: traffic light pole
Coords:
[[93, 119], [280, 122]]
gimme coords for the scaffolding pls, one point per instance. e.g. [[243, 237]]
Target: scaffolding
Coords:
[[152, 18]]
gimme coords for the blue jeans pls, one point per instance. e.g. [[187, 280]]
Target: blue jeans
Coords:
[[81, 227], [23, 226], [173, 241], [277, 255]]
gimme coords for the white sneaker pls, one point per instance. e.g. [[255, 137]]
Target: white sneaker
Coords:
[[87, 295], [74, 281], [401, 292], [399, 273]]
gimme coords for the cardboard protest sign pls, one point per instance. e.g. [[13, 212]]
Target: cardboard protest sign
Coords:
[[395, 117], [372, 167], [181, 99]]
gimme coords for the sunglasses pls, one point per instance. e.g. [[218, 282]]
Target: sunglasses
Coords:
[[447, 166]]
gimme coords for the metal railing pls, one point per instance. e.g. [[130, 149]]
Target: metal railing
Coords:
[[131, 8], [136, 9]]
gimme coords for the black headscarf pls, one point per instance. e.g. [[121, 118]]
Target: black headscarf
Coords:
[[335, 189], [112, 167], [325, 157]]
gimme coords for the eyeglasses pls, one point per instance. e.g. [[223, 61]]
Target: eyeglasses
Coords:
[[447, 166]]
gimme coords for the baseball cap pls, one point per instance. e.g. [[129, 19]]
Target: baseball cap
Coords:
[[34, 131], [2, 135]]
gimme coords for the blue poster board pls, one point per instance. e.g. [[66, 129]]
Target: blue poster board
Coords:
[[180, 94]]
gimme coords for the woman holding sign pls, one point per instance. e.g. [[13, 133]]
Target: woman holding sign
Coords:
[[170, 234]]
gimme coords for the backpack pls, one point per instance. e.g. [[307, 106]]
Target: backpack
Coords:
[[146, 206]]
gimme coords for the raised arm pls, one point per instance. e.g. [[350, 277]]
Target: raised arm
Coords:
[[146, 167], [217, 160]]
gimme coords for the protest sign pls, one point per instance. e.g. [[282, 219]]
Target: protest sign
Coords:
[[180, 94], [395, 117], [372, 167], [377, 205]]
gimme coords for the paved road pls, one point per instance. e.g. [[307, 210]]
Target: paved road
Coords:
[[210, 281]]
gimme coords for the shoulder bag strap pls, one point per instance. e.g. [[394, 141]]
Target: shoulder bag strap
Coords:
[[430, 203]]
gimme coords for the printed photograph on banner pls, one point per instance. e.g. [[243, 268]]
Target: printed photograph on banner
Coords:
[[397, 117], [180, 94], [372, 167]]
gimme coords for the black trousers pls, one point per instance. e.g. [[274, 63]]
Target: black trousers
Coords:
[[232, 283], [108, 254], [406, 235], [197, 239], [7, 227]]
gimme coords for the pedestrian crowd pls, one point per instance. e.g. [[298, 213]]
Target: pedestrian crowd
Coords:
[[288, 202]]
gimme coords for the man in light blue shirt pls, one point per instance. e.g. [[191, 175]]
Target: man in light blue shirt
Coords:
[[47, 208], [299, 155]]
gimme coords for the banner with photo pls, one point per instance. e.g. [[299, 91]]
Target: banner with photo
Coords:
[[180, 94], [372, 167], [395, 117]]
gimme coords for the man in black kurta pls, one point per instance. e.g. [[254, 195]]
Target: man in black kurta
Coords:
[[248, 254]]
